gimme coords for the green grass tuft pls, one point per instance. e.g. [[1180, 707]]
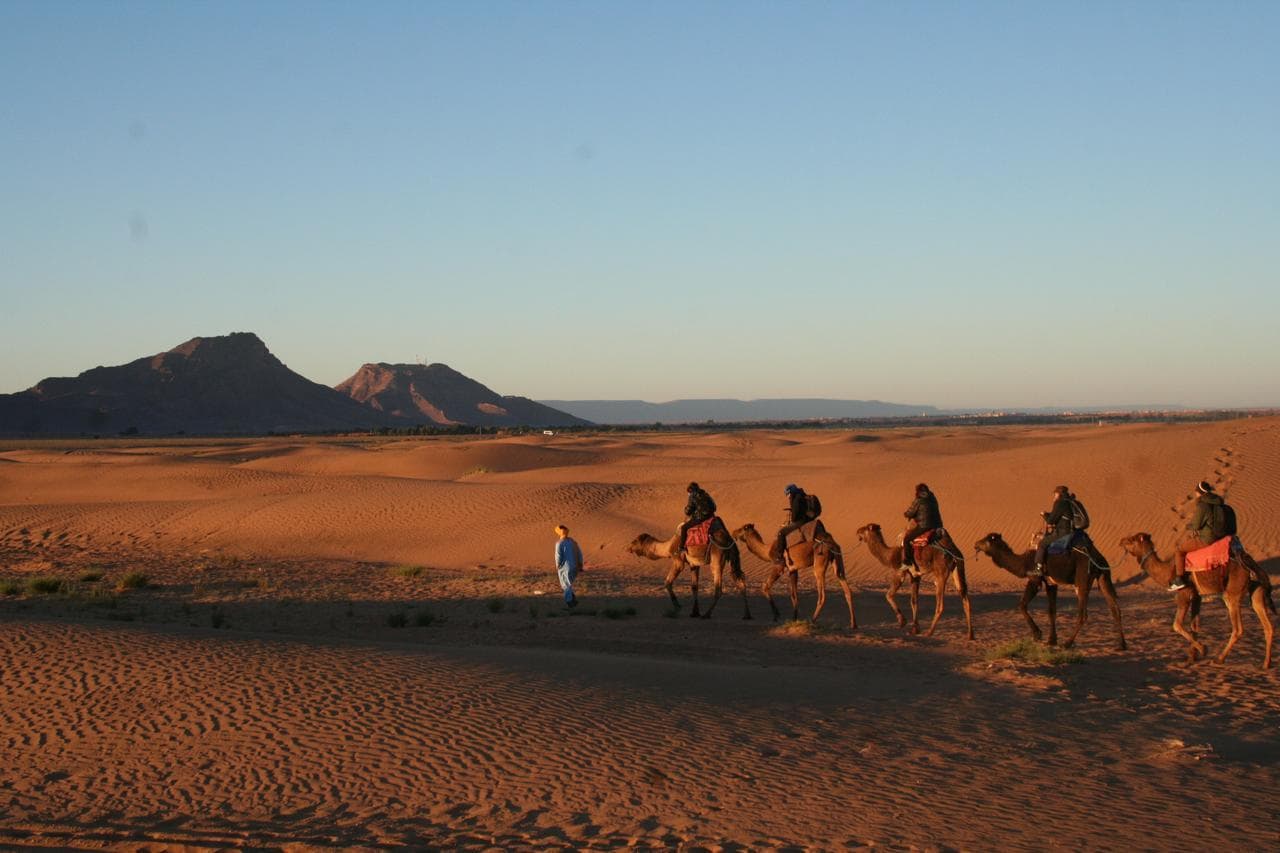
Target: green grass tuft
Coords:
[[44, 586], [10, 588], [1030, 651], [91, 576], [407, 571], [134, 580], [424, 618]]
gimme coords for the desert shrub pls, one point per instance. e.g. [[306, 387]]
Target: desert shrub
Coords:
[[217, 619], [423, 618], [134, 580], [496, 605], [10, 588], [91, 576], [1030, 651], [797, 628], [397, 619], [407, 571], [44, 585]]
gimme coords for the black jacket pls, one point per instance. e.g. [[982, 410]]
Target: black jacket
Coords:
[[924, 511], [1203, 524], [1059, 518], [800, 508]]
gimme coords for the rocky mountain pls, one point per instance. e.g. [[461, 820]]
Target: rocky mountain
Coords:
[[438, 394], [233, 385], [226, 384]]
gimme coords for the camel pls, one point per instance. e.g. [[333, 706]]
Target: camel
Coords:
[[940, 561], [720, 551], [1239, 577], [1074, 567], [819, 554]]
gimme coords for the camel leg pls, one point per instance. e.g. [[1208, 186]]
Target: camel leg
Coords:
[[962, 585], [693, 588], [819, 580], [717, 585], [1109, 593], [1082, 608], [895, 581], [793, 581], [915, 603], [1232, 600], [676, 566], [848, 593], [1259, 601], [1027, 594], [1051, 595], [775, 572], [939, 601], [735, 568], [1185, 600]]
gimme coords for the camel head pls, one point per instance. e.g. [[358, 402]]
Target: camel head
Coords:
[[1139, 545], [744, 531], [640, 545], [990, 543], [869, 531]]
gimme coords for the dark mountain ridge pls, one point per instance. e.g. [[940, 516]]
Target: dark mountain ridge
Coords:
[[233, 385]]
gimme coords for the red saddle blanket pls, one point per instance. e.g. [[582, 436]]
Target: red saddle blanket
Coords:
[[921, 542], [699, 535], [1211, 557]]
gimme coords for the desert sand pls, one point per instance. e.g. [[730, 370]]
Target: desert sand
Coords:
[[359, 643]]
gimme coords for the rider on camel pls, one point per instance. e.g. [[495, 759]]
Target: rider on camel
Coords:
[[922, 515], [1213, 520], [1059, 521], [698, 509], [803, 508]]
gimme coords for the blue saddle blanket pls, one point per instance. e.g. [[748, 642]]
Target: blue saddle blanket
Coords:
[[1063, 545]]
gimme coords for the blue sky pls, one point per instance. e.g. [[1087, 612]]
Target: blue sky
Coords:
[[985, 203]]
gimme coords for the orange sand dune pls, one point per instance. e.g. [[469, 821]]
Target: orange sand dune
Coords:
[[285, 683], [451, 503]]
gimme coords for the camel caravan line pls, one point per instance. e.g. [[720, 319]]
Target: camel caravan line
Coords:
[[1224, 569]]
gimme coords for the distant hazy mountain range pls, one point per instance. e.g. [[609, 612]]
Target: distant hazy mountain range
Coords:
[[638, 412], [232, 384], [732, 411]]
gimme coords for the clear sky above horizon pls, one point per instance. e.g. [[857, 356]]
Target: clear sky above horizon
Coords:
[[959, 204]]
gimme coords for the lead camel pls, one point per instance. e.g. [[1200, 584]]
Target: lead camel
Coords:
[[719, 552]]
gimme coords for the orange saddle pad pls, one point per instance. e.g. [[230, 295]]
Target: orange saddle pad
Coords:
[[1211, 557]]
